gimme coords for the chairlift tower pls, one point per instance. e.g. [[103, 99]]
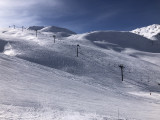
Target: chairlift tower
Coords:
[[36, 32], [22, 28], [122, 68], [78, 49], [54, 38]]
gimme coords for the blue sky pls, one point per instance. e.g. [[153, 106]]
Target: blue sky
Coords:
[[81, 15]]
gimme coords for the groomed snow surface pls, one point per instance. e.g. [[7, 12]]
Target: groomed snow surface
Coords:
[[43, 80]]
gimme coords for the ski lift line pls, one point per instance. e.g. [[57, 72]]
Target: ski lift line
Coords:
[[134, 84], [26, 29], [18, 26], [103, 65], [137, 81], [144, 79], [147, 86], [114, 64], [106, 71]]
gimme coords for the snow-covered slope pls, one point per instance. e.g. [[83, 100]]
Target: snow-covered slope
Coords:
[[35, 27], [119, 41], [41, 79], [61, 32], [56, 29], [151, 32]]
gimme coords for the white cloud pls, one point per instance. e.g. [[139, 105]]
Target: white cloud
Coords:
[[106, 16], [24, 12], [15, 3]]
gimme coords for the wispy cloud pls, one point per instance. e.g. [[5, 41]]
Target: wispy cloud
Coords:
[[25, 12], [106, 16], [64, 13]]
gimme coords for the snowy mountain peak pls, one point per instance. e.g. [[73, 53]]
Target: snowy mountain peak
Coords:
[[151, 31], [61, 32], [35, 27], [56, 29]]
